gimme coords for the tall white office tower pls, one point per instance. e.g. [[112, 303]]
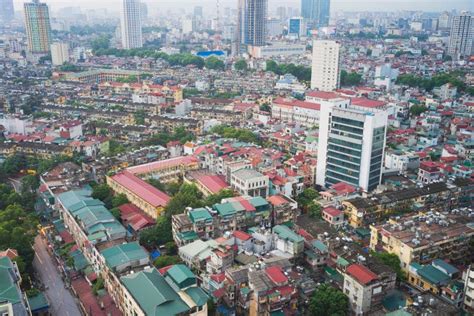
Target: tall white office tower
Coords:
[[59, 53], [325, 70], [351, 145], [131, 24], [461, 38]]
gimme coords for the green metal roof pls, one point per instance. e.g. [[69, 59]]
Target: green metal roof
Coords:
[[200, 214], [153, 294], [91, 213], [433, 275], [9, 291], [225, 209], [319, 245], [258, 201], [445, 266], [181, 275], [80, 261], [38, 302], [124, 254], [286, 233], [189, 235], [342, 262], [198, 295]]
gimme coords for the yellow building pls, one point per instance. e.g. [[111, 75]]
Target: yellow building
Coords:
[[140, 193], [425, 236], [374, 209]]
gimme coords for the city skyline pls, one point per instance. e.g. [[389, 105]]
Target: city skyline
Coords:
[[336, 5]]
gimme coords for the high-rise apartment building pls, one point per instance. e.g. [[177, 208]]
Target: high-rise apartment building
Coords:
[[444, 21], [38, 27], [6, 10], [131, 24], [461, 38], [59, 53], [316, 12], [325, 74], [351, 144], [251, 24], [198, 11]]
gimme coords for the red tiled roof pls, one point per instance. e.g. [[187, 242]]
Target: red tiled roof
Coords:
[[332, 211], [213, 183], [361, 273], [158, 165], [368, 103], [219, 277], [241, 235], [277, 200], [10, 253], [342, 187], [142, 189], [297, 103], [276, 274], [323, 95], [66, 237]]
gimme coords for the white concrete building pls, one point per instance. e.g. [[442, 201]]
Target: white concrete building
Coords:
[[59, 53], [131, 25], [249, 182], [461, 38], [277, 49], [351, 144], [469, 289], [325, 71], [401, 161]]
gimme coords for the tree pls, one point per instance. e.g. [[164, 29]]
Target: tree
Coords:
[[119, 199], [214, 63], [241, 65], [164, 261], [218, 197], [416, 110], [158, 235], [115, 212], [327, 300], [171, 248], [101, 42], [307, 197], [350, 79], [157, 184], [314, 210], [265, 108], [391, 260], [211, 307], [101, 192], [17, 230]]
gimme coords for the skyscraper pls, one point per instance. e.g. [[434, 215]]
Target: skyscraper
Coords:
[[131, 24], [325, 74], [59, 53], [316, 12], [6, 10], [38, 27], [461, 38], [252, 18], [351, 143]]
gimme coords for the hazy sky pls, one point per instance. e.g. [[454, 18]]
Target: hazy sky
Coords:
[[348, 5]]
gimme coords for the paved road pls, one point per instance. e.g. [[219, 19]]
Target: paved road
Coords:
[[61, 300]]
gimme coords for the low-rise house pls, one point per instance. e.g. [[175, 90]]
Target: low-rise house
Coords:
[[175, 293], [249, 182], [333, 216], [366, 288], [287, 241]]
